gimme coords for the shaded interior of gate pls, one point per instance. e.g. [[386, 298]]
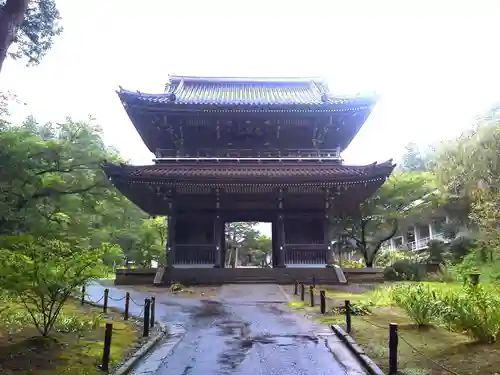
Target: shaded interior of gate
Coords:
[[199, 238]]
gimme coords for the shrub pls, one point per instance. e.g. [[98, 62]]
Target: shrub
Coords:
[[418, 301], [405, 269], [42, 274], [75, 323], [472, 309], [352, 264], [390, 274]]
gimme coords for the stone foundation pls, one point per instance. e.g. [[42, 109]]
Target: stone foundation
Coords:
[[218, 276]]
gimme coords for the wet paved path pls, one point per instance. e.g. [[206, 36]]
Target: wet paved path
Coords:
[[247, 330]]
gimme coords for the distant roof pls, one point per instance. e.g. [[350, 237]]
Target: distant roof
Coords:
[[246, 91]]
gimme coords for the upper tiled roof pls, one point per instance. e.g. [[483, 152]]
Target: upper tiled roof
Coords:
[[246, 91]]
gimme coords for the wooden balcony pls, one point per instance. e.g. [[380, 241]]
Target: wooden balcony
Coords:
[[194, 254], [249, 154]]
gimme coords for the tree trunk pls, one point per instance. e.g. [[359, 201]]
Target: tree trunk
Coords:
[[11, 17]]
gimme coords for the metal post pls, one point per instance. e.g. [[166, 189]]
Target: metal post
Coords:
[[83, 295], [152, 319], [348, 316], [393, 349], [147, 305], [296, 288], [314, 281], [127, 305], [302, 292], [322, 301], [107, 348], [311, 295], [106, 296]]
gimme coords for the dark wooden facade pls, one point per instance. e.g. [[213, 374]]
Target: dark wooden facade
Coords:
[[247, 150]]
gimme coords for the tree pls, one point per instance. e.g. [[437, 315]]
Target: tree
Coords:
[[404, 194], [235, 235], [469, 169], [27, 27], [413, 159], [149, 244], [42, 274]]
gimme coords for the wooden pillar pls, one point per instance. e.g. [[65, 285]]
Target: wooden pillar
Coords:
[[171, 221], [327, 240], [219, 251], [275, 246], [280, 228], [326, 229]]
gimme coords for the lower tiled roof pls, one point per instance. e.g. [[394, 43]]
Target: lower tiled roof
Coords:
[[308, 171]]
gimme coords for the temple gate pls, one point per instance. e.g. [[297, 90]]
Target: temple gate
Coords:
[[231, 149]]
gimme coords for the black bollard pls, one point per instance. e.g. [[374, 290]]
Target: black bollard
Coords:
[[147, 305], [311, 295], [127, 305], [302, 292], [348, 316], [393, 349], [322, 301], [296, 288], [152, 319], [83, 296], [106, 297], [107, 348]]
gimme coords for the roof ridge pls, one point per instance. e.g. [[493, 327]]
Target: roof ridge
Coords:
[[234, 79]]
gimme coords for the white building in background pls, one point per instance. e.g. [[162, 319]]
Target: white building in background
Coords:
[[415, 235]]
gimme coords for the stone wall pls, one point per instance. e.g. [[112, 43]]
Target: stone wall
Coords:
[[364, 275]]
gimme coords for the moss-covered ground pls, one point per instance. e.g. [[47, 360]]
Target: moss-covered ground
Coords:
[[434, 345], [23, 351]]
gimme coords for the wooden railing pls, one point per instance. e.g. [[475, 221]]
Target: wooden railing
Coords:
[[195, 254], [250, 154], [306, 256]]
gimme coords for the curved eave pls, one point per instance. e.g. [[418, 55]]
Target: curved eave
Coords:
[[234, 174], [163, 103]]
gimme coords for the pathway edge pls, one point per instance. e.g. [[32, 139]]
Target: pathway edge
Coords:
[[358, 352]]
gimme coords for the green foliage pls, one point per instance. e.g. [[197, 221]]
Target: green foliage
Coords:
[[77, 323], [387, 257], [43, 274], [413, 159], [352, 264], [474, 309], [470, 309], [52, 187], [415, 301], [253, 247], [28, 28], [405, 269], [378, 218]]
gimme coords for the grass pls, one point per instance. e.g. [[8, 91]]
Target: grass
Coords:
[[24, 352], [453, 350]]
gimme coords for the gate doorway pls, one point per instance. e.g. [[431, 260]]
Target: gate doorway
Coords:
[[248, 244]]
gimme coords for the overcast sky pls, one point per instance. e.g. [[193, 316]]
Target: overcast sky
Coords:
[[435, 63]]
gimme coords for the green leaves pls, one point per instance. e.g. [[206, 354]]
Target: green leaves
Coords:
[[405, 194], [28, 27], [43, 274]]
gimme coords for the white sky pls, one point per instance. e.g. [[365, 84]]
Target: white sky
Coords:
[[434, 62]]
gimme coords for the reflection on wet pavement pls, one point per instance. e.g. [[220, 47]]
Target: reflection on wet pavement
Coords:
[[247, 330]]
